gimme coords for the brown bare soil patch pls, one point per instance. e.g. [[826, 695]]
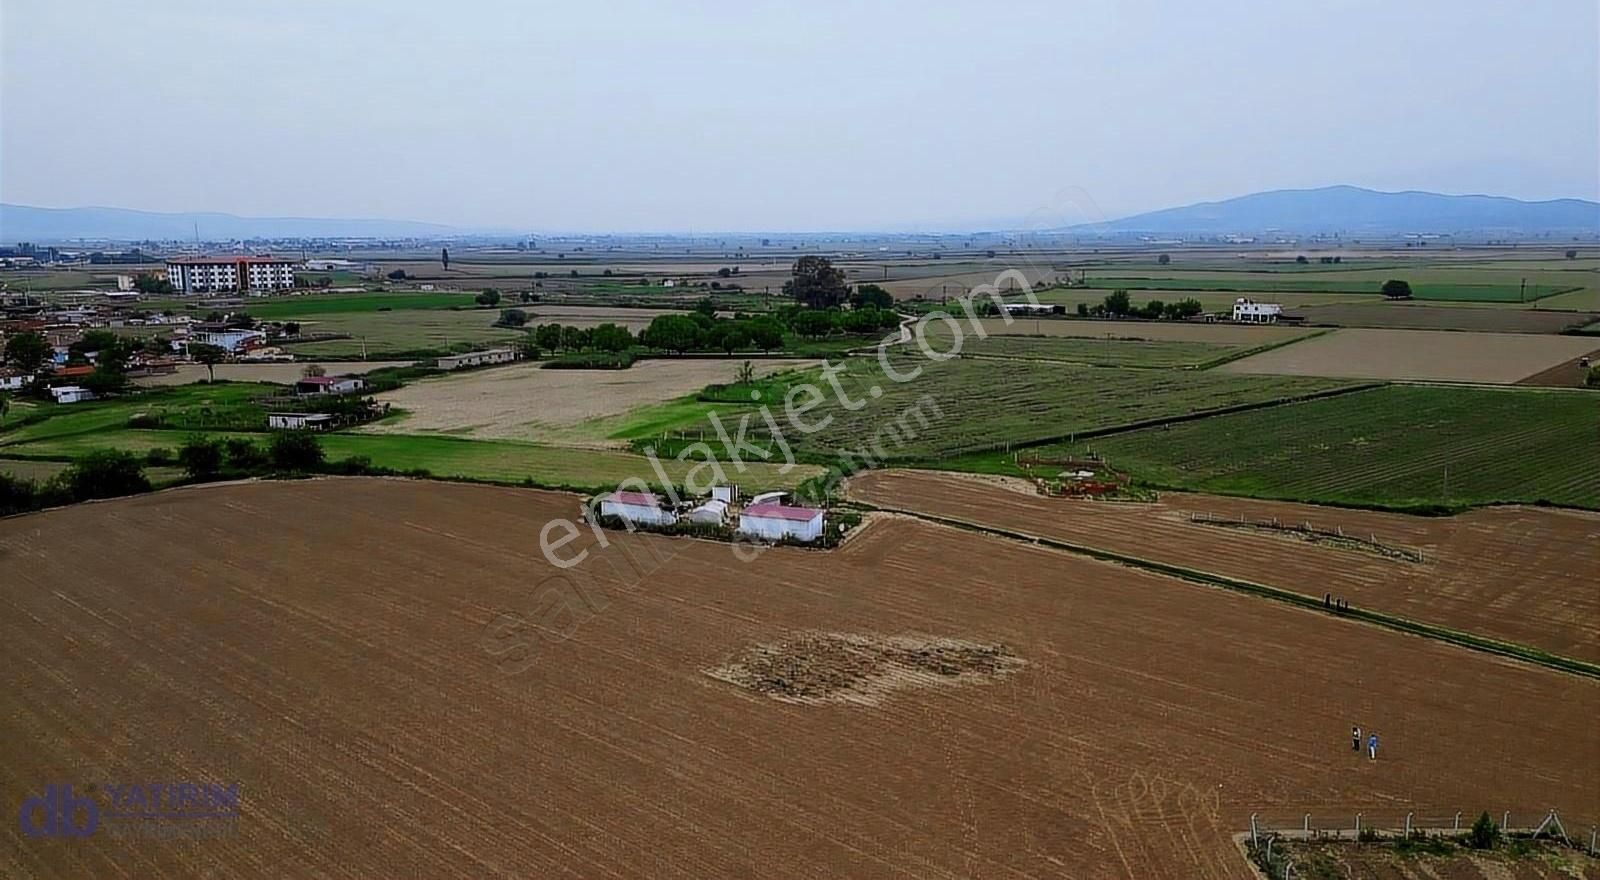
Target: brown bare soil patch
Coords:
[[847, 668], [1495, 358], [1571, 374], [1519, 574], [401, 686]]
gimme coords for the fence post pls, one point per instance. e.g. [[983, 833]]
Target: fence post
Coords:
[[1592, 832], [1269, 852], [1457, 826], [1505, 821], [1254, 841], [1408, 825], [1358, 825], [1305, 824]]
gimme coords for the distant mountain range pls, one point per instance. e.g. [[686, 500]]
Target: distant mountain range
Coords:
[[1352, 210], [1345, 210], [25, 223]]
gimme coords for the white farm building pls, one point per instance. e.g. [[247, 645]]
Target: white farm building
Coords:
[[777, 521], [1249, 311], [639, 508]]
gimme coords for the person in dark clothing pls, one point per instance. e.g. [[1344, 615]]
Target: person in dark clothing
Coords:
[[1355, 738]]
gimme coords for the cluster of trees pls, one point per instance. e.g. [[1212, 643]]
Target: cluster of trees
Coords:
[[105, 473], [153, 285], [204, 457], [1118, 304]]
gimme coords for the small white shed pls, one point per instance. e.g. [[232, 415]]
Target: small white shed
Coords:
[[639, 508], [71, 393], [713, 512], [777, 521]]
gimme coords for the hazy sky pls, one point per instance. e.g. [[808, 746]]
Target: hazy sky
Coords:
[[785, 116]]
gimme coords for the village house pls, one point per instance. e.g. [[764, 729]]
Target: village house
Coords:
[[310, 386]]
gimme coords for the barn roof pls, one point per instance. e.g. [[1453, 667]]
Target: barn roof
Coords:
[[644, 498], [782, 511]]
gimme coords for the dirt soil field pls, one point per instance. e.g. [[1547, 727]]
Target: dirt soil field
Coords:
[[1519, 574], [360, 670], [284, 374], [1157, 331], [593, 316], [526, 402], [1495, 358], [1572, 374], [1396, 315]]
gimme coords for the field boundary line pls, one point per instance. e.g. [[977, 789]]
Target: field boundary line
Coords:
[[1262, 349], [1396, 623]]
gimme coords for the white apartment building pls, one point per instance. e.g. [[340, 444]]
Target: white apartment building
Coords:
[[211, 274]]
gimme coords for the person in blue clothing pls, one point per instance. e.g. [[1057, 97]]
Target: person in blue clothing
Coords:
[[1372, 747]]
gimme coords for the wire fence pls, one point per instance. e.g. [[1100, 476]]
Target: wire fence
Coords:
[[1264, 842]]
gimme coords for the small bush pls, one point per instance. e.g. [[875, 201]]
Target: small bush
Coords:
[[245, 455], [158, 456], [295, 451], [1484, 834], [201, 457]]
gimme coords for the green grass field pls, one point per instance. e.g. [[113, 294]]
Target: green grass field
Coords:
[[286, 308], [402, 334], [1387, 447], [488, 460], [222, 403], [975, 404]]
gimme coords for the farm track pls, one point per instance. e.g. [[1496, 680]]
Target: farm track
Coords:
[[1509, 574], [333, 663]]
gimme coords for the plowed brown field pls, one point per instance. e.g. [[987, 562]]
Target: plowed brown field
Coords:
[[1519, 574], [322, 644]]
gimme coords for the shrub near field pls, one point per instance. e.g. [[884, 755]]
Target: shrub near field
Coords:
[[987, 404], [1386, 447]]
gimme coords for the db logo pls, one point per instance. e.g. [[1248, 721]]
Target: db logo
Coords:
[[56, 814]]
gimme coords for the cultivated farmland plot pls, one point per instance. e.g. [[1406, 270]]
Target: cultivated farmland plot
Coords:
[[1397, 446], [346, 669], [525, 402], [986, 404], [1516, 574], [1496, 358]]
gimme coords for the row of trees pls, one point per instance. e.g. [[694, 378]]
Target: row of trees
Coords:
[[1118, 304]]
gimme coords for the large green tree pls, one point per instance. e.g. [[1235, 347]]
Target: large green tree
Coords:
[[27, 351], [672, 333], [1394, 288], [816, 284]]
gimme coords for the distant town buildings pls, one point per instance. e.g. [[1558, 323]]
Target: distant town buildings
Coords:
[[211, 274]]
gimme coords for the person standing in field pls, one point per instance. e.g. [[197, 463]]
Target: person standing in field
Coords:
[[1372, 747], [1355, 738]]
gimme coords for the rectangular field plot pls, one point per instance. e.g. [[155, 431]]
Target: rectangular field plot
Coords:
[[1019, 343], [1496, 358], [396, 690], [971, 404], [1396, 446], [1514, 574]]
